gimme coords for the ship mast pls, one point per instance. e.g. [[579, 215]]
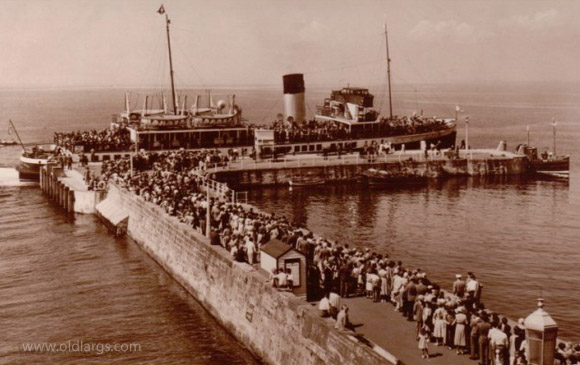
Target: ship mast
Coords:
[[167, 21], [13, 128], [388, 71]]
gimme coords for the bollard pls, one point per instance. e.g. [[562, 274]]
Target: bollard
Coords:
[[48, 185], [71, 201], [65, 198], [52, 188], [57, 192], [41, 179], [60, 193]]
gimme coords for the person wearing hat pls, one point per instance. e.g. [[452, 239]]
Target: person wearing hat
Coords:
[[460, 324], [439, 323], [459, 286]]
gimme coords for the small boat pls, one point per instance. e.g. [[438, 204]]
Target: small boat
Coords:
[[382, 177], [6, 142], [32, 160], [545, 163], [298, 181]]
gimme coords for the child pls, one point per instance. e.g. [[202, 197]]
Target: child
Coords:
[[424, 341]]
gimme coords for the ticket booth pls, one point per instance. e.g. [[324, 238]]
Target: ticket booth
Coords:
[[278, 255]]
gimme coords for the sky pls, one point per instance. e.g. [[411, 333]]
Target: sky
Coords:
[[122, 43]]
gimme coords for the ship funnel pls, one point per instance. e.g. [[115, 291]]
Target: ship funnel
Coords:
[[294, 97]]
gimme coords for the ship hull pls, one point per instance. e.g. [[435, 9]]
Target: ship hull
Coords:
[[444, 138], [555, 165], [29, 168]]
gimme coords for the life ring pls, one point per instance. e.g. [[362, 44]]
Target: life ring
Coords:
[[101, 185]]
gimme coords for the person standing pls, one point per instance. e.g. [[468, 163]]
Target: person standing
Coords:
[[439, 323], [460, 324], [472, 286], [519, 337], [384, 283], [498, 343], [459, 287], [250, 250], [424, 342], [411, 297], [418, 314], [344, 278], [483, 329], [474, 337]]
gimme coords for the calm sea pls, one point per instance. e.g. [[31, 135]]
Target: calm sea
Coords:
[[64, 278]]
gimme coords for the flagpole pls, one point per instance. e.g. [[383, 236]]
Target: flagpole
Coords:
[[554, 131], [528, 129], [17, 135]]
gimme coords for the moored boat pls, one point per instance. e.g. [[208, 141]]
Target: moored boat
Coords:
[[298, 181], [32, 161], [545, 163], [6, 142], [385, 178]]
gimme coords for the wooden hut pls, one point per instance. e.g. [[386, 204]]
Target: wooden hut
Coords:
[[278, 255]]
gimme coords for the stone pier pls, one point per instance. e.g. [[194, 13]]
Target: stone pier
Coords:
[[348, 168], [67, 189], [277, 327]]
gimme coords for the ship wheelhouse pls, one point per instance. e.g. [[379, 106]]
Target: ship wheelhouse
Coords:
[[349, 104]]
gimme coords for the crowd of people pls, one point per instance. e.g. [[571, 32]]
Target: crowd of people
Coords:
[[109, 139], [320, 131], [457, 319]]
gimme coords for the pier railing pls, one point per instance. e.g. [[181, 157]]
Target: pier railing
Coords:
[[221, 190]]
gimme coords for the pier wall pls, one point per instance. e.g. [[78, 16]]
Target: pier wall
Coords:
[[278, 327], [54, 184], [346, 171]]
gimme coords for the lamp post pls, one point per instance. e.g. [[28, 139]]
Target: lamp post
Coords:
[[466, 135], [207, 212]]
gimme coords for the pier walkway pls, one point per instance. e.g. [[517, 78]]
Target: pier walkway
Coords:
[[387, 328], [318, 160]]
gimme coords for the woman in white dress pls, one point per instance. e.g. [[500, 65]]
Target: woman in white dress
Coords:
[[439, 323]]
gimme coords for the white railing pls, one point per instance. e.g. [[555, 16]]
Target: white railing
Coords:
[[221, 189]]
